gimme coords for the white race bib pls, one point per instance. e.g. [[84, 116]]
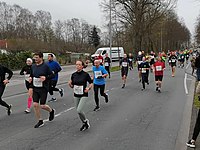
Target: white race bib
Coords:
[[26, 77], [37, 82], [130, 59], [97, 74], [158, 68], [173, 60], [106, 64], [170, 61], [78, 89], [139, 62], [124, 64], [182, 57], [144, 70]]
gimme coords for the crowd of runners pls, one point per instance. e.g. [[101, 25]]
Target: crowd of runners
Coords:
[[41, 78]]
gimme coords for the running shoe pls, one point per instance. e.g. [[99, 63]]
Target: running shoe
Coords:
[[53, 99], [52, 115], [61, 91], [159, 91], [39, 124], [97, 108], [140, 80], [123, 86], [9, 111], [27, 110], [191, 144], [85, 126], [143, 89], [157, 88], [106, 98]]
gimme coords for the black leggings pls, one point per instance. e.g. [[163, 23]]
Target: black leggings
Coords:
[[96, 91], [2, 103], [196, 128], [108, 69], [52, 87]]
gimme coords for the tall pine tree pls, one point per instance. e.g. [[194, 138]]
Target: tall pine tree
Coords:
[[94, 38]]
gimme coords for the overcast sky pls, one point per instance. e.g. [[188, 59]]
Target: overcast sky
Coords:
[[90, 11]]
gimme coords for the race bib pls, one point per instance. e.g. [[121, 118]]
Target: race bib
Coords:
[[97, 74], [173, 60], [78, 89], [26, 77], [106, 64], [124, 64], [170, 61], [139, 62], [182, 57], [144, 70], [158, 68], [37, 82], [130, 59]]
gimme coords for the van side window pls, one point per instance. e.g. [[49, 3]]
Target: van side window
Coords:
[[104, 52]]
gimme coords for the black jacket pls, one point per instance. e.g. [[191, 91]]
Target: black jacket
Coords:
[[3, 71]]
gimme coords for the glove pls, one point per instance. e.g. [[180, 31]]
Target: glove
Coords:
[[99, 77]]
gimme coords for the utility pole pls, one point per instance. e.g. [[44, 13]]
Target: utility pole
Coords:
[[110, 32]]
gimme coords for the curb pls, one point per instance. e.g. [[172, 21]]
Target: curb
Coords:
[[183, 134]]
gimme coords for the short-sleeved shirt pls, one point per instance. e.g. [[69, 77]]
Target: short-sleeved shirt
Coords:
[[159, 66], [99, 72], [79, 81]]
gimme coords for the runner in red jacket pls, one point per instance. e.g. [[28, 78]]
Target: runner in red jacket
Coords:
[[159, 68]]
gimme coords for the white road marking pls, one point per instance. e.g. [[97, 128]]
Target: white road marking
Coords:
[[187, 66], [185, 84], [59, 114]]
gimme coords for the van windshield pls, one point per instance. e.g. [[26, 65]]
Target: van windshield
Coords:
[[98, 52]]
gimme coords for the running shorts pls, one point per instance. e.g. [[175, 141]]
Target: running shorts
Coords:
[[158, 78], [40, 95]]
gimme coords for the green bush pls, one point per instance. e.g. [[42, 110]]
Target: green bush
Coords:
[[15, 60]]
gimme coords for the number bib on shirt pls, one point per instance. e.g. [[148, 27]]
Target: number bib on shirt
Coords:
[[26, 77], [97, 74], [173, 60], [158, 68], [170, 61], [130, 59], [124, 64], [144, 70], [37, 82], [139, 62], [106, 64], [78, 89]]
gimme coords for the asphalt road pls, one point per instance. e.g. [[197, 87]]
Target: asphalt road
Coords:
[[132, 120]]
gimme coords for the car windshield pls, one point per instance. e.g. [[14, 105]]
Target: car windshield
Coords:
[[98, 51]]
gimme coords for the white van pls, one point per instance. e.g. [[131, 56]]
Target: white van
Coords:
[[116, 52]]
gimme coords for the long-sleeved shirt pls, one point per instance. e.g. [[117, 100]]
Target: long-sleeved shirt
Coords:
[[3, 71]]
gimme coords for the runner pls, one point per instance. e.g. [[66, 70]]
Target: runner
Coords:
[[182, 59], [99, 82], [78, 82], [152, 60], [40, 76], [193, 63], [187, 55], [172, 60], [144, 69], [159, 67], [55, 68], [124, 64], [26, 70], [107, 64], [130, 57], [3, 82], [139, 61]]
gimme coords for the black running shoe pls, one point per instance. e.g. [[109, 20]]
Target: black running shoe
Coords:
[[157, 88], [97, 108], [106, 98], [159, 91], [83, 127], [123, 86], [9, 111], [52, 100], [39, 124], [191, 144], [61, 91], [51, 115]]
